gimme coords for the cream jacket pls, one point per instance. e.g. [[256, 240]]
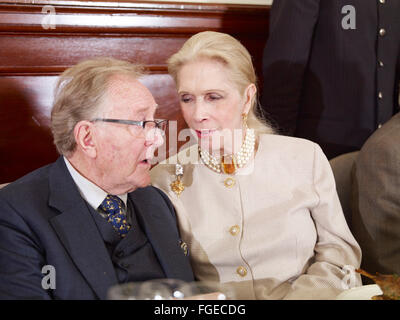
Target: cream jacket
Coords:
[[275, 230]]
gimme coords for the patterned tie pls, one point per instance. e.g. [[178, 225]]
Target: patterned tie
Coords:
[[112, 205]]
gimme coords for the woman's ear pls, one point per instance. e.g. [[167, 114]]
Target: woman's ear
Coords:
[[249, 95], [85, 138]]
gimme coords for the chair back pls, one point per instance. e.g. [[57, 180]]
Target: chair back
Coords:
[[342, 167]]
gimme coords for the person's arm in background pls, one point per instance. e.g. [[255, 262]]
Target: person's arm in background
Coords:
[[376, 200], [285, 59]]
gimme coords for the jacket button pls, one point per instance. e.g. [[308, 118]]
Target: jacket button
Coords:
[[382, 32], [382, 1], [241, 271], [381, 63], [229, 182], [380, 95], [234, 230]]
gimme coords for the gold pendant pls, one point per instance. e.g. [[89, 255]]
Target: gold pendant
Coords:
[[228, 164], [177, 185]]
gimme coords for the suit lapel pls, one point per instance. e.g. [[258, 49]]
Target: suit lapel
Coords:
[[160, 228], [77, 231]]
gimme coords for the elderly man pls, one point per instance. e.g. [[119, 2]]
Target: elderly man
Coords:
[[74, 228]]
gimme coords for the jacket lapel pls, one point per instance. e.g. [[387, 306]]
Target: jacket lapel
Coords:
[[161, 230], [78, 233]]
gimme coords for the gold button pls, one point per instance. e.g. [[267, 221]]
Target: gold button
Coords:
[[380, 95], [229, 182], [382, 32], [381, 64], [234, 230], [241, 271]]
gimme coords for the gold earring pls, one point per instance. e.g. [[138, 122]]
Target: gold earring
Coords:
[[244, 119]]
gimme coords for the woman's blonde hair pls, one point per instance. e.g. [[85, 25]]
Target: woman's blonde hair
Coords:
[[79, 94], [226, 49]]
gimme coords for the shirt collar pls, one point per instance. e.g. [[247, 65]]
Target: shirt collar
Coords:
[[93, 194]]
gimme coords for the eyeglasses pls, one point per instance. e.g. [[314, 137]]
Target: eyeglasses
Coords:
[[160, 124]]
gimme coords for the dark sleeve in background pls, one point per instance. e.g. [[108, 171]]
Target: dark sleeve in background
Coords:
[[285, 59]]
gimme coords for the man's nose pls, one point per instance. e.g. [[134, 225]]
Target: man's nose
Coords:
[[154, 137]]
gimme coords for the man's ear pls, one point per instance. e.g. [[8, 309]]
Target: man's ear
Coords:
[[85, 138], [249, 95]]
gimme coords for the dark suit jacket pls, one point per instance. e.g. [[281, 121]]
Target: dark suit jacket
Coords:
[[376, 200], [321, 82], [45, 221]]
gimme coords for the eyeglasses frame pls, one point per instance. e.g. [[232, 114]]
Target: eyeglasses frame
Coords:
[[142, 124]]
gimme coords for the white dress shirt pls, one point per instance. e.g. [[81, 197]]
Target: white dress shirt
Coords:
[[93, 194]]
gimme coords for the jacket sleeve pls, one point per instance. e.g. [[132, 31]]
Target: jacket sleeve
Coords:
[[21, 259], [336, 252], [376, 201], [285, 59]]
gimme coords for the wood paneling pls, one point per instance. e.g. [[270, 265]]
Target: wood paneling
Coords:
[[54, 54], [31, 58]]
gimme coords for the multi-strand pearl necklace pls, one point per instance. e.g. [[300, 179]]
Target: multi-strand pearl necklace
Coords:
[[238, 159]]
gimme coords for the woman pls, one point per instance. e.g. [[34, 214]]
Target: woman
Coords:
[[258, 210]]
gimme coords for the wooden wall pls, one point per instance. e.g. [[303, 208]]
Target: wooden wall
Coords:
[[34, 50]]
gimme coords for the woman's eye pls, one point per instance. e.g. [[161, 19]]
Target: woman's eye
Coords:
[[186, 99], [213, 97]]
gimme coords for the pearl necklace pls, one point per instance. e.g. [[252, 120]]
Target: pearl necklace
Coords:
[[238, 160]]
